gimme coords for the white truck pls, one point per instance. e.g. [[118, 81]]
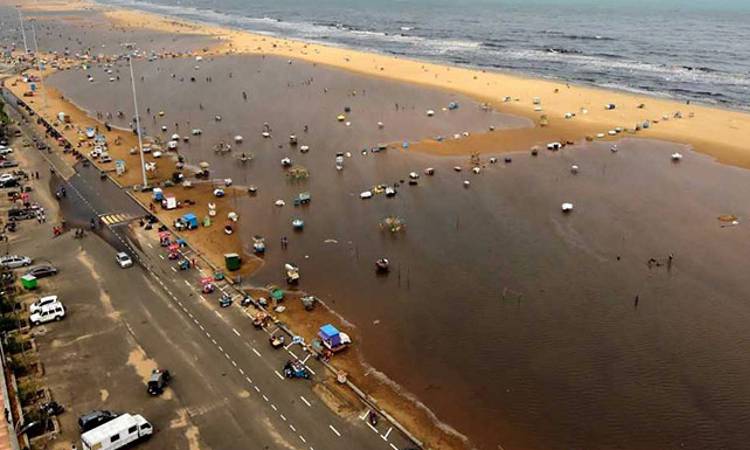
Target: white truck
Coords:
[[117, 433]]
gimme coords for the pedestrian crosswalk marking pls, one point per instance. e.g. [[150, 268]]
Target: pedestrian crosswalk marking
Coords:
[[114, 219]]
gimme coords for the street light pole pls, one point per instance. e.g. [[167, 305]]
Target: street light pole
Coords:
[[39, 64], [137, 123], [23, 33]]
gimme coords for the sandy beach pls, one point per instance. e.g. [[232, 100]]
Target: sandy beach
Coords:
[[522, 319]]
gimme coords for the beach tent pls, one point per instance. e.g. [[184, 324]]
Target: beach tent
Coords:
[[330, 335], [190, 220]]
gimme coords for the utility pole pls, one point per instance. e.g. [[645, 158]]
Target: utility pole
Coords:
[[23, 33], [137, 123], [39, 65]]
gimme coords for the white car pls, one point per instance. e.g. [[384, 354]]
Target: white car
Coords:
[[5, 150], [7, 177], [123, 260], [44, 301], [48, 313], [14, 261]]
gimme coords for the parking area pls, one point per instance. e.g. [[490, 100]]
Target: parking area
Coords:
[[90, 359]]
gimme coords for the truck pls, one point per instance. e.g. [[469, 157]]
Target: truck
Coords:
[[117, 433]]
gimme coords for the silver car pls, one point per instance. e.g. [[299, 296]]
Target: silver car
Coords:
[[14, 261]]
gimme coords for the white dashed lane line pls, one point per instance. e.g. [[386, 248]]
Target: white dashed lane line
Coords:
[[278, 374], [235, 331], [335, 431], [256, 352], [305, 401]]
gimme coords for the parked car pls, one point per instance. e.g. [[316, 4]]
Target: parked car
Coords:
[[8, 163], [42, 271], [158, 381], [5, 150], [22, 213], [6, 177], [93, 419], [48, 313], [14, 261], [44, 301], [123, 260], [12, 182]]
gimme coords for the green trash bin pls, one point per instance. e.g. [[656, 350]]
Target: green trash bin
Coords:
[[232, 261], [29, 282]]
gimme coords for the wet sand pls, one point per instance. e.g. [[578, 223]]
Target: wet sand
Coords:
[[523, 320]]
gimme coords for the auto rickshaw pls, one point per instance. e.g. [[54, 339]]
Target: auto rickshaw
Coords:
[[295, 369], [174, 251], [184, 264], [225, 300], [207, 285], [260, 319], [277, 341]]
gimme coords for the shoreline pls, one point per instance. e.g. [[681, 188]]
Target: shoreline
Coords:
[[658, 95], [557, 98]]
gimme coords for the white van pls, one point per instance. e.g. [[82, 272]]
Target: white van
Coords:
[[48, 313], [117, 433]]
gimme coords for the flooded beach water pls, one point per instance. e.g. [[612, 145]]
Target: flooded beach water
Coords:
[[516, 324]]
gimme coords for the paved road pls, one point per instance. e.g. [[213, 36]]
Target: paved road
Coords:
[[227, 376]]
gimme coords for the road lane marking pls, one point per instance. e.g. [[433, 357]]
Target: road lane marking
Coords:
[[278, 374], [334, 430], [214, 341], [202, 298], [201, 327], [265, 398], [385, 436], [311, 371], [217, 314], [235, 331], [149, 245], [257, 389], [273, 407], [221, 349], [306, 358], [249, 380], [161, 256], [291, 427], [372, 427], [187, 282], [282, 417], [242, 372], [173, 269], [302, 439], [256, 352], [234, 363], [394, 447], [305, 400], [364, 414]]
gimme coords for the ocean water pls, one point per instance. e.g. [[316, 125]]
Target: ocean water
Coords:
[[696, 50]]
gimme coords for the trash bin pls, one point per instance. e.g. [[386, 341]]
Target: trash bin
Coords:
[[29, 282], [232, 261]]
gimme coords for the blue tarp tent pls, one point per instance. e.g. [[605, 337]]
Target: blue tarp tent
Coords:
[[330, 335], [191, 220]]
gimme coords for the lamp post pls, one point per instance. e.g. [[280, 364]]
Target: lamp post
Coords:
[[138, 123]]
